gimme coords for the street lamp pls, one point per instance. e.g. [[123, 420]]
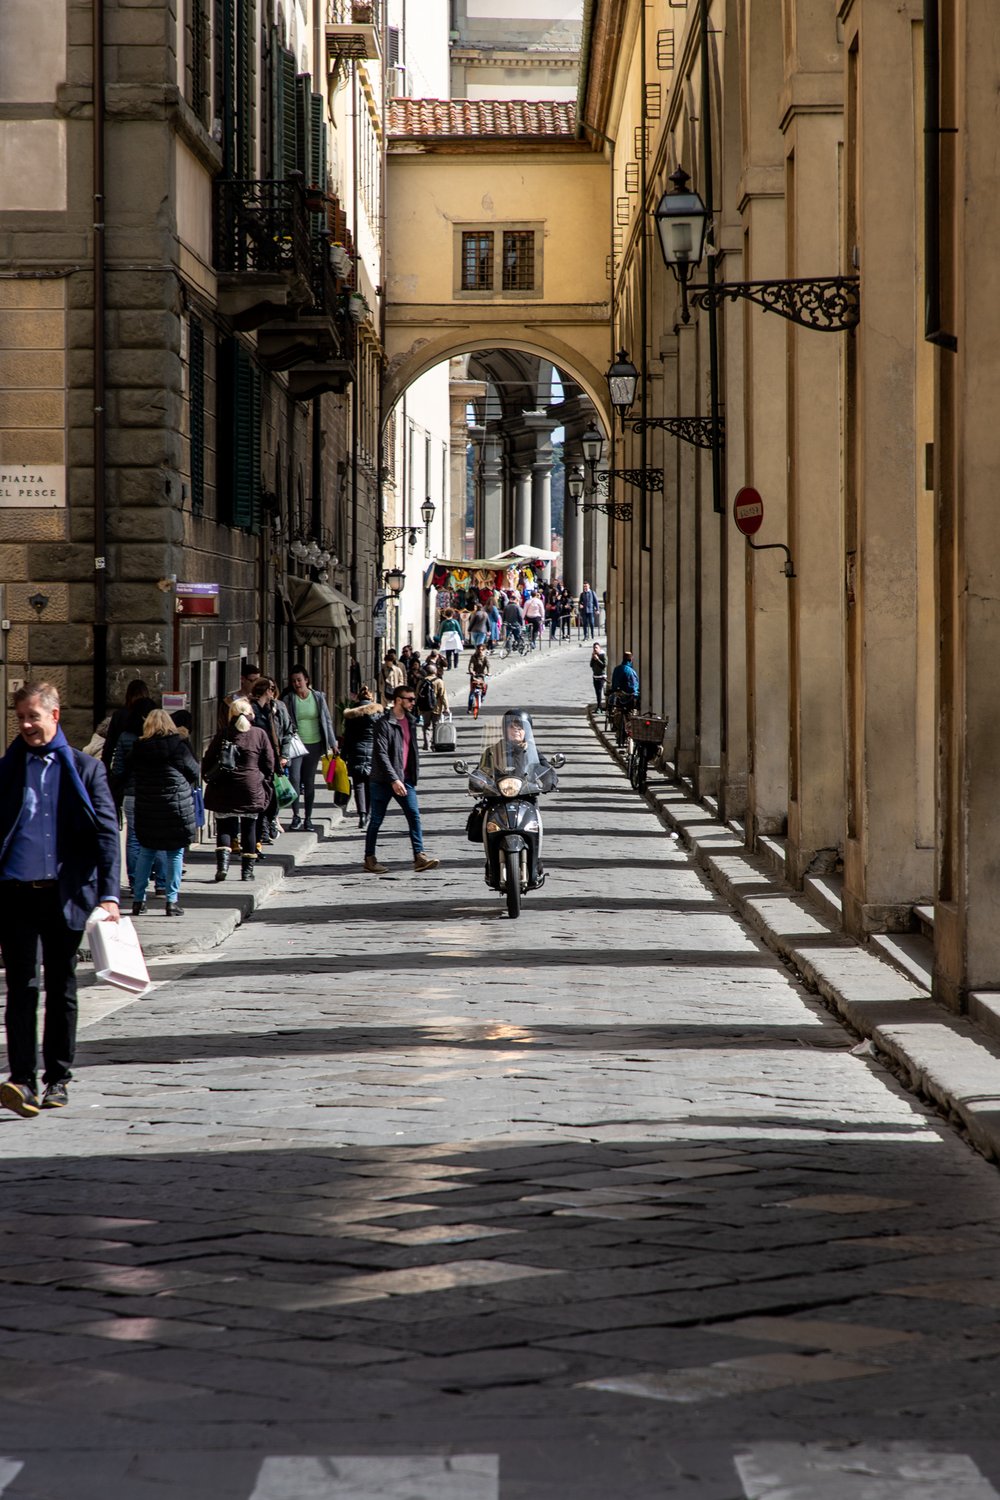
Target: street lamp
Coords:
[[681, 221], [427, 511], [830, 304], [574, 485], [593, 446], [623, 380], [394, 580]]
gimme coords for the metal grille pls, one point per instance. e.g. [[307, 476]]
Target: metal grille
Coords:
[[477, 261], [196, 402], [632, 177], [518, 260], [260, 225]]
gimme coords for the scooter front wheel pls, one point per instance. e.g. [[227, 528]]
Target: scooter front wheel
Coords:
[[512, 865]]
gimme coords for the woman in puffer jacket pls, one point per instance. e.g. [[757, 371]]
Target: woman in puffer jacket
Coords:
[[236, 795], [356, 747], [163, 771]]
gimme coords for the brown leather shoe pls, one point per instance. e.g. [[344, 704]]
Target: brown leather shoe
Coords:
[[425, 862]]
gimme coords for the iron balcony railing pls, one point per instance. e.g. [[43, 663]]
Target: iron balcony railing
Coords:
[[261, 225]]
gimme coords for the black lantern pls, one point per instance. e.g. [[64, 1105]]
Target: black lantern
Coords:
[[593, 446], [574, 485], [682, 222], [427, 511], [623, 379]]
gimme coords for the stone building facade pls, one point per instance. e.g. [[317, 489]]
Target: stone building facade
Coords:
[[188, 374], [843, 711]]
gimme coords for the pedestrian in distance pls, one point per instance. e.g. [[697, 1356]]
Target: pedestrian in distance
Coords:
[[588, 605], [122, 783], [395, 772], [599, 668], [452, 640], [625, 679], [238, 766], [479, 672], [426, 698], [356, 745], [271, 715], [163, 772], [134, 693], [313, 724], [479, 626], [59, 859], [513, 620], [391, 675], [248, 676], [534, 618]]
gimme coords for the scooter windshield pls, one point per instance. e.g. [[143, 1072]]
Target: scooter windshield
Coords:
[[508, 746]]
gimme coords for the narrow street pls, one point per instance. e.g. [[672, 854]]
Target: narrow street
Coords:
[[392, 1198]]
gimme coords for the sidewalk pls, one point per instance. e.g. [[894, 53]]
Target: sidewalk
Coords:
[[952, 1060]]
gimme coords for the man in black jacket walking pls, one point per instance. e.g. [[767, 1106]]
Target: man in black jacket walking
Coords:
[[59, 858], [395, 770]]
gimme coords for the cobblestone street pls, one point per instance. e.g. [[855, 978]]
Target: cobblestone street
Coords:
[[392, 1198]]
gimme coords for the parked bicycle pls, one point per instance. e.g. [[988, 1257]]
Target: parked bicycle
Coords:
[[645, 732]]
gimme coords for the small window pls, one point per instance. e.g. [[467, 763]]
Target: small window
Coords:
[[477, 262], [518, 260]]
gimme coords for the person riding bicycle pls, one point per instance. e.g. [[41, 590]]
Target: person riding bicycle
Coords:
[[479, 671], [625, 680], [513, 620]]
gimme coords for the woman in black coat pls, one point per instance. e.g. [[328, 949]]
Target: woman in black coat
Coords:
[[237, 793], [356, 747], [163, 771]]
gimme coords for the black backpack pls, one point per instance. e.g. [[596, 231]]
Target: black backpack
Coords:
[[425, 693], [226, 763]]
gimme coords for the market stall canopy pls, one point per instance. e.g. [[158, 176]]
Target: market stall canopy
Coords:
[[322, 615]]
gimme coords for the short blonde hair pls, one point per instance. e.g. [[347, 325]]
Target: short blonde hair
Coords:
[[158, 722]]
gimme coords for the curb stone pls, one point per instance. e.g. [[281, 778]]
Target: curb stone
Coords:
[[946, 1058]]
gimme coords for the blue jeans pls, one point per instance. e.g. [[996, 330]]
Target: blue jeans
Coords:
[[382, 794], [587, 620], [174, 861], [132, 848]]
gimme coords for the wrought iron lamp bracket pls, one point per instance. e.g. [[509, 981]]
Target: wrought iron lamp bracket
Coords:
[[701, 432], [643, 479], [615, 510], [397, 533], [830, 304]]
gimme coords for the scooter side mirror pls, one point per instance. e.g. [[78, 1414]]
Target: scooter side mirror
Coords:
[[557, 761], [461, 767]]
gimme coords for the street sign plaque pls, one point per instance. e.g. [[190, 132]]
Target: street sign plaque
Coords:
[[748, 510]]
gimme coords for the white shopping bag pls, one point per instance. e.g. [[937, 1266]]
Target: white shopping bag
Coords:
[[114, 947]]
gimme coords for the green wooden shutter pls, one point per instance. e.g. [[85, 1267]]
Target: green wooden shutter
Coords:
[[246, 442], [303, 125], [317, 165], [284, 156], [245, 86], [196, 412]]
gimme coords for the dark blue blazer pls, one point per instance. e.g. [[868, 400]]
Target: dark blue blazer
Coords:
[[88, 847]]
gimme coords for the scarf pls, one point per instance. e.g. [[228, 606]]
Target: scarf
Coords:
[[60, 746]]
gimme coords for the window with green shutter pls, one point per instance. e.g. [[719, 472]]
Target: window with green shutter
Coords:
[[246, 83], [283, 150], [239, 428], [317, 164], [303, 125]]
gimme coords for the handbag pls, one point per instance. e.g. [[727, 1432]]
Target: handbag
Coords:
[[283, 789], [296, 747], [198, 798], [340, 781], [474, 823]]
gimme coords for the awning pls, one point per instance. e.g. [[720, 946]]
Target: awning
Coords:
[[322, 615]]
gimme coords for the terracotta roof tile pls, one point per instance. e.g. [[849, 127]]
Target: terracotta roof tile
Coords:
[[493, 118]]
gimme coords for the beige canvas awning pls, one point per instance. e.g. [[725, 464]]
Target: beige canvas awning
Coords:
[[322, 615]]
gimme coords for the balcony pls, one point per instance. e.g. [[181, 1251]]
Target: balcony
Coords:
[[262, 250], [315, 346], [352, 32]]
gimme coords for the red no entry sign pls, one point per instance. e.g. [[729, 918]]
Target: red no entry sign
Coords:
[[748, 510]]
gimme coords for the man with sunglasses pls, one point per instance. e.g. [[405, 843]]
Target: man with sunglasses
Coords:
[[395, 769]]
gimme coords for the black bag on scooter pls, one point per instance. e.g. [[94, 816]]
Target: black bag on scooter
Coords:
[[474, 823]]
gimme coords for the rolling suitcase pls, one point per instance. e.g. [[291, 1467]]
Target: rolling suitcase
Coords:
[[445, 737]]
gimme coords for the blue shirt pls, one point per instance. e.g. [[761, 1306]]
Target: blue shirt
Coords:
[[624, 679], [31, 848]]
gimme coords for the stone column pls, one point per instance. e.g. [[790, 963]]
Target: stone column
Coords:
[[572, 558], [522, 508], [541, 505], [488, 522]]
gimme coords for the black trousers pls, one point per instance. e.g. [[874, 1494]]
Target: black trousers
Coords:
[[29, 916], [244, 828], [302, 774]]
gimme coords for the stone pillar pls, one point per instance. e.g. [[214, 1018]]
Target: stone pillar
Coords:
[[541, 505], [489, 520], [572, 558], [522, 508]]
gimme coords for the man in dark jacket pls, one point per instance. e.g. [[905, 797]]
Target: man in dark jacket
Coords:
[[395, 770], [59, 858]]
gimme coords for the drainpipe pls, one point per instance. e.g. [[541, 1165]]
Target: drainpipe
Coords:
[[932, 180], [100, 670], [357, 393]]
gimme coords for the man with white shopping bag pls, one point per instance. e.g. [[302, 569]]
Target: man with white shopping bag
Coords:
[[59, 858]]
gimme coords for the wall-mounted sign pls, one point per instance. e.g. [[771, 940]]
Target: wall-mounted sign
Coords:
[[38, 486], [748, 511], [197, 599], [173, 702]]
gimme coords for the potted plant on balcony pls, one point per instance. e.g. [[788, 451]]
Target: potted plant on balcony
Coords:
[[362, 14], [357, 307], [340, 261]]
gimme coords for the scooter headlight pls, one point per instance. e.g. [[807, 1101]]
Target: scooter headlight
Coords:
[[510, 786]]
